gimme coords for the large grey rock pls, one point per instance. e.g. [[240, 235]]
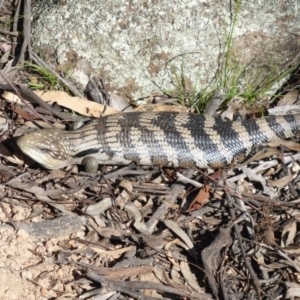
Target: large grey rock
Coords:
[[137, 46]]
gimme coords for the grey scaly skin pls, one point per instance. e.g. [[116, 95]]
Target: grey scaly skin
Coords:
[[157, 138]]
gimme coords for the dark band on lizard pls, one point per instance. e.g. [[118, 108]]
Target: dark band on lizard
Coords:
[[157, 138]]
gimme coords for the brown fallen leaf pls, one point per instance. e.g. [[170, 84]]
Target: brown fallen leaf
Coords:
[[190, 277], [282, 182], [289, 99], [203, 193], [198, 201], [123, 272], [25, 114], [183, 236], [288, 233], [289, 144], [212, 256], [79, 105], [262, 155]]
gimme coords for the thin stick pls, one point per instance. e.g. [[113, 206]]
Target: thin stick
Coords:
[[12, 33], [26, 32], [15, 28], [187, 180]]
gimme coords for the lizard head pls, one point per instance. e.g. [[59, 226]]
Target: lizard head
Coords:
[[47, 147]]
